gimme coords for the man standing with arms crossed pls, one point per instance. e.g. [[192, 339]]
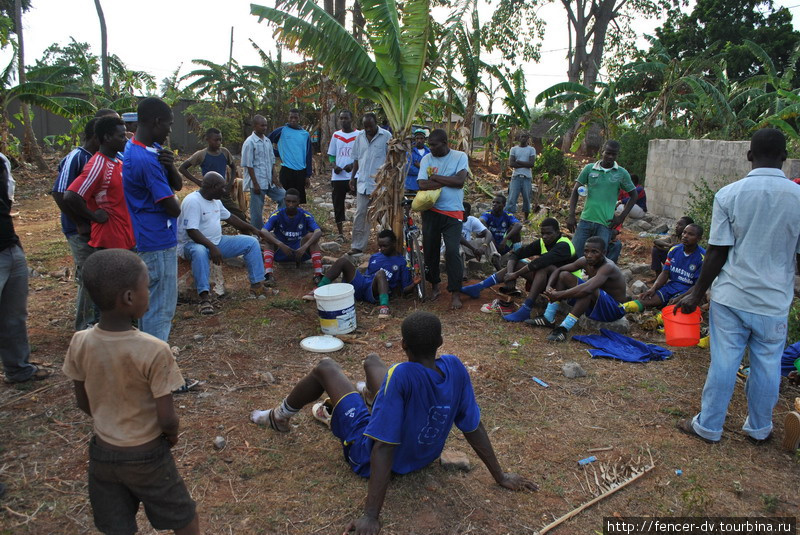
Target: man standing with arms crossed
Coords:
[[446, 169], [293, 145], [370, 150], [521, 160], [257, 161], [753, 250]]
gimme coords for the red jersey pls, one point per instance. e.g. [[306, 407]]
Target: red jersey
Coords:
[[100, 184]]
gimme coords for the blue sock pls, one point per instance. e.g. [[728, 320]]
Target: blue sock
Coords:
[[474, 290], [522, 314], [528, 303], [569, 322], [550, 312]]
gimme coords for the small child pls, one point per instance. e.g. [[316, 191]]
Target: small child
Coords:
[[129, 456], [414, 407], [387, 270]]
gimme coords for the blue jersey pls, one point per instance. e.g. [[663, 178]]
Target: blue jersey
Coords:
[[68, 170], [499, 225], [395, 268], [683, 268], [416, 407], [290, 230]]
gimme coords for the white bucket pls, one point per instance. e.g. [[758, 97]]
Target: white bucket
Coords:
[[337, 308]]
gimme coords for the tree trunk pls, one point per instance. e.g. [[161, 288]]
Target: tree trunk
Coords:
[[386, 206], [358, 21], [30, 148], [103, 48], [339, 11], [327, 5], [469, 117]]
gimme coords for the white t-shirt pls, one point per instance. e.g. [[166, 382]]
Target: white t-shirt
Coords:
[[472, 226], [341, 147], [199, 213]]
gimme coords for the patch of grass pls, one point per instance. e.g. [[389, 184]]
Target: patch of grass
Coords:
[[286, 303], [695, 499], [653, 385], [674, 411], [47, 251], [770, 502]]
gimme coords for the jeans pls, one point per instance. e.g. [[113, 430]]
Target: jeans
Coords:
[[162, 266], [229, 246], [519, 184], [14, 348], [435, 228], [732, 330], [276, 193], [361, 223], [614, 250], [86, 313], [587, 229]]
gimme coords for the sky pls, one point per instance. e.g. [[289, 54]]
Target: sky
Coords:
[[176, 32]]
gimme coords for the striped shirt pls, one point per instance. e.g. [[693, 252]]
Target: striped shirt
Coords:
[[69, 168]]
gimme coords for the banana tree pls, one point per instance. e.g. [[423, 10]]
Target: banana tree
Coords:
[[390, 68]]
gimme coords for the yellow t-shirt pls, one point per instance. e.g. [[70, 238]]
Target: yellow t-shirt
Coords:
[[123, 373]]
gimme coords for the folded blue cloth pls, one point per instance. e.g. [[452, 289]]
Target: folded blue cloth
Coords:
[[612, 345], [790, 354]]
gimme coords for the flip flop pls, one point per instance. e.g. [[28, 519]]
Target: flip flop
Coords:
[[791, 430], [205, 307], [321, 411]]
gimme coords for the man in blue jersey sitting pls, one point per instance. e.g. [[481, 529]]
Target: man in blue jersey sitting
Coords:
[[416, 405], [292, 235], [505, 228], [680, 273], [386, 271]]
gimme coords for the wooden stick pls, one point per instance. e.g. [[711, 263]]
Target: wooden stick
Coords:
[[593, 450], [33, 392], [588, 504]]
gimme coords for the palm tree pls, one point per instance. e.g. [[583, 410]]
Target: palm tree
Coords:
[[390, 69], [30, 147]]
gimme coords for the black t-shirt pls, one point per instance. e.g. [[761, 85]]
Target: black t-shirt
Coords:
[[7, 235]]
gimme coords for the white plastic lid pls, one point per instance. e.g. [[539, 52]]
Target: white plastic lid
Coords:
[[321, 344]]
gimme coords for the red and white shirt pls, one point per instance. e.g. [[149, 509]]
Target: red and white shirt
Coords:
[[100, 184], [341, 147]]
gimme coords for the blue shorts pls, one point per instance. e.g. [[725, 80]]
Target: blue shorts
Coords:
[[606, 308], [280, 256], [670, 290], [363, 288], [348, 421]]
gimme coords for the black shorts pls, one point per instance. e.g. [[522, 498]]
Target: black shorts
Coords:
[[340, 190], [294, 178], [120, 481]]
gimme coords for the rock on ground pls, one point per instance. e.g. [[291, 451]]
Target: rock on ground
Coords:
[[638, 288], [621, 326], [628, 274], [639, 269], [220, 443], [663, 228], [572, 370], [330, 247], [454, 460]]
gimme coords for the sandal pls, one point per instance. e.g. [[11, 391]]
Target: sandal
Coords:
[[268, 418], [205, 307], [383, 313], [791, 432], [321, 411], [39, 375], [685, 426], [361, 388], [540, 321]]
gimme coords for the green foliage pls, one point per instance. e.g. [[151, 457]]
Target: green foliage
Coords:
[[695, 499], [634, 142], [793, 332], [211, 115], [701, 202], [552, 162]]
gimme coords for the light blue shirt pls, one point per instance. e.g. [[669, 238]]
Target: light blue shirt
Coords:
[[451, 199], [758, 217], [257, 153], [292, 147]]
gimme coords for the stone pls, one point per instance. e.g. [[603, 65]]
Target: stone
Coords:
[[639, 269], [628, 274], [32, 273], [330, 247], [454, 460], [573, 370], [197, 337], [220, 443], [266, 377], [175, 350], [216, 279], [663, 228], [621, 326], [326, 206], [349, 214], [234, 261], [638, 288], [388, 345], [639, 224], [318, 200], [205, 395], [186, 285]]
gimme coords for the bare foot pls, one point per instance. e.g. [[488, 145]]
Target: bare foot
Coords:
[[435, 292], [455, 301]]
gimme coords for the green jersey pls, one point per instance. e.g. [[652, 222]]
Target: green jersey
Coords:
[[603, 187]]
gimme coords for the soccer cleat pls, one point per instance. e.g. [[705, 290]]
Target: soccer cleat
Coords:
[[540, 321], [497, 305], [559, 334]]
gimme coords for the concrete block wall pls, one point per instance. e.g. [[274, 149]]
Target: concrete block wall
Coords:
[[674, 166]]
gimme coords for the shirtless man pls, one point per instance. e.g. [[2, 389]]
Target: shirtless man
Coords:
[[600, 297]]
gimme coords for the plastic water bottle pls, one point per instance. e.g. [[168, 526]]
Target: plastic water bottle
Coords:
[[582, 191]]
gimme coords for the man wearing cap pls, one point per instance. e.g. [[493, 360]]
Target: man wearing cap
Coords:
[[419, 150], [131, 123]]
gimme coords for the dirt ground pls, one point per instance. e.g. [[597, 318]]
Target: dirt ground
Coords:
[[263, 482]]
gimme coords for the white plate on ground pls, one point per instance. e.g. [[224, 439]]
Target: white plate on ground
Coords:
[[321, 344]]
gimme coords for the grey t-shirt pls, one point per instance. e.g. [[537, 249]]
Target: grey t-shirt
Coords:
[[523, 154], [759, 219]]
